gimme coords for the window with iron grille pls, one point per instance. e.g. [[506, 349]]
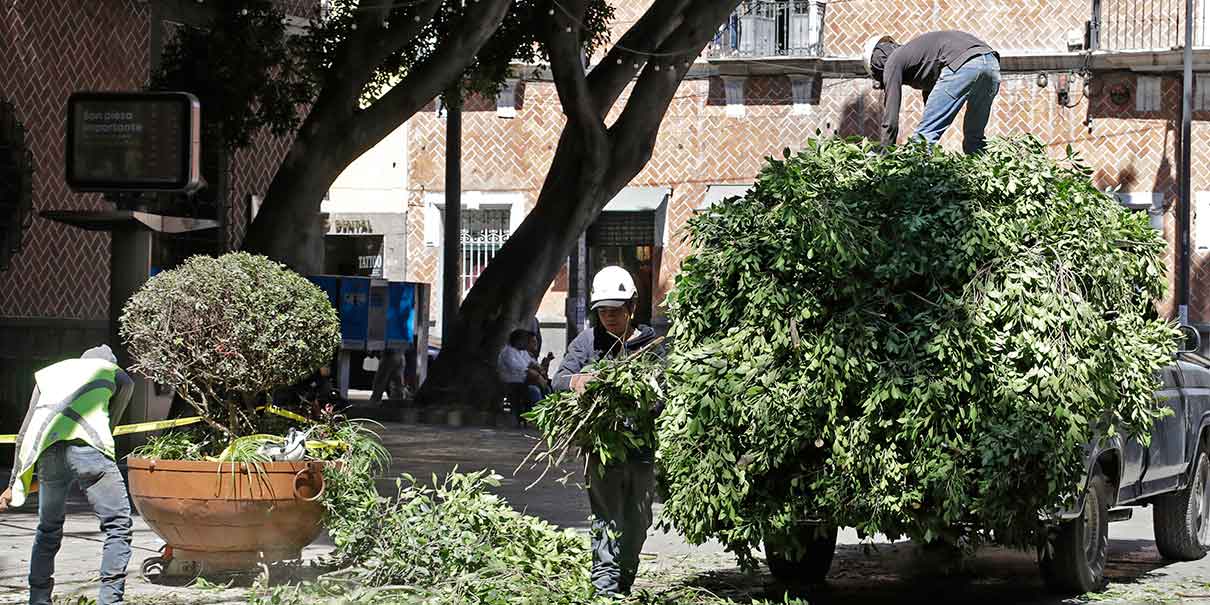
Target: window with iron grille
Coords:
[[623, 229], [484, 231]]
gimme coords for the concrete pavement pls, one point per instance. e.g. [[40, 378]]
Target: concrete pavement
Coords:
[[873, 573]]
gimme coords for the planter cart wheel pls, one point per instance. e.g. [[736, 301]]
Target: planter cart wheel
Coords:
[[169, 570], [812, 566], [1182, 518], [1075, 564]]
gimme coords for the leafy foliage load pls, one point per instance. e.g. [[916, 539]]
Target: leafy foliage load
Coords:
[[612, 418], [223, 331], [915, 343]]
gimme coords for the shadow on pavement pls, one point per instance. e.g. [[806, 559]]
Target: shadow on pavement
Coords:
[[900, 573]]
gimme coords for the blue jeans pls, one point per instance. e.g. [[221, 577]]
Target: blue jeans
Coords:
[[975, 85], [101, 482]]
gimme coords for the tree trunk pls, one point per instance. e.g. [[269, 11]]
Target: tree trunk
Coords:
[[592, 163], [510, 288], [289, 229], [337, 131]]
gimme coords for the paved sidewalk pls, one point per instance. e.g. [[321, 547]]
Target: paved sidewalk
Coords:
[[878, 573]]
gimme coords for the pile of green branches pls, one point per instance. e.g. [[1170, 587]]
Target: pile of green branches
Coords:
[[457, 544], [911, 343], [612, 418], [454, 543]]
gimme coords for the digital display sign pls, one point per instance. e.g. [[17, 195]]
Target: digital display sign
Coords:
[[133, 141]]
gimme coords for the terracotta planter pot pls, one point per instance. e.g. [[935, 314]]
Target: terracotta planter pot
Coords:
[[227, 519]]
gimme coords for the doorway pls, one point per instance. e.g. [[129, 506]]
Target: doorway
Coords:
[[626, 239]]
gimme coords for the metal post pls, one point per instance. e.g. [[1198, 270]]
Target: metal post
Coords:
[[1186, 167], [577, 312], [451, 280], [1094, 27]]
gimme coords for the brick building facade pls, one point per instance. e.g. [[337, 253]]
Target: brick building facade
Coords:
[[54, 296], [1126, 124]]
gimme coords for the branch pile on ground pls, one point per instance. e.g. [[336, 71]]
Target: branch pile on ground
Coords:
[[454, 543], [914, 343]]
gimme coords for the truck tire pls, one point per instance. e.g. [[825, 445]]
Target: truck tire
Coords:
[[1182, 519], [1076, 562], [813, 565]]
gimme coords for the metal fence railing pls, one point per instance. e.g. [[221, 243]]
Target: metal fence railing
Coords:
[[1124, 25], [772, 28]]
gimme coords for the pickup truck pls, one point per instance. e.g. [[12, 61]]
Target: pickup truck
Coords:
[[1171, 474]]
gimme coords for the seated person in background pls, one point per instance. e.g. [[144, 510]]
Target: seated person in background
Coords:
[[535, 348], [520, 372]]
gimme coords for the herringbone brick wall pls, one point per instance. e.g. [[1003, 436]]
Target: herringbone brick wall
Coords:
[[1004, 24], [700, 145], [250, 173], [48, 50]]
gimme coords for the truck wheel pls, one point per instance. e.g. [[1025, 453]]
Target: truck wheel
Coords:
[[812, 566], [1076, 562], [1182, 519]]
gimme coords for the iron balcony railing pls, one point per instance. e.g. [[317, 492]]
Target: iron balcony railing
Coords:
[[1139, 25], [772, 28]]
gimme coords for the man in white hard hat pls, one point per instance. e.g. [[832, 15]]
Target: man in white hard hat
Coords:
[[951, 69], [621, 493]]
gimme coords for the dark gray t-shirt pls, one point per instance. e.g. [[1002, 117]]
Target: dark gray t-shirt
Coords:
[[918, 64]]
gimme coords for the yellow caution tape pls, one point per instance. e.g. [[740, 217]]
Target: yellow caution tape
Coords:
[[143, 427], [272, 409], [330, 444]]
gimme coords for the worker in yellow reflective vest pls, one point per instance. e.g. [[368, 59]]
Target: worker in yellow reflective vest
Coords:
[[68, 436]]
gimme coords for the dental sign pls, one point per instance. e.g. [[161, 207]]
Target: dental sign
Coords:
[[133, 142]]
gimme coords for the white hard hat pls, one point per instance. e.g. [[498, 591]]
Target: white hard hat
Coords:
[[612, 287], [867, 53]]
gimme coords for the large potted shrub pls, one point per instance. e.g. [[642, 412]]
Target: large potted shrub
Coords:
[[225, 333]]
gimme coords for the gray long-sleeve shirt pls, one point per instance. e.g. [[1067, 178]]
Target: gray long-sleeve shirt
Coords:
[[590, 346], [918, 64]]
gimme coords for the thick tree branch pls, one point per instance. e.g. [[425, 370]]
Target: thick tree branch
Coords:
[[567, 67], [399, 35], [616, 70], [431, 77], [360, 54], [634, 133]]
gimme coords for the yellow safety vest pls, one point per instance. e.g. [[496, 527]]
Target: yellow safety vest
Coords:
[[73, 403]]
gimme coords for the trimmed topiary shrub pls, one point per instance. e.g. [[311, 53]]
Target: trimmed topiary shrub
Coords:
[[911, 343], [223, 331]]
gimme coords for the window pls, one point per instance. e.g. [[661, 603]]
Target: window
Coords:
[[1201, 92], [506, 100], [1149, 95], [484, 231]]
